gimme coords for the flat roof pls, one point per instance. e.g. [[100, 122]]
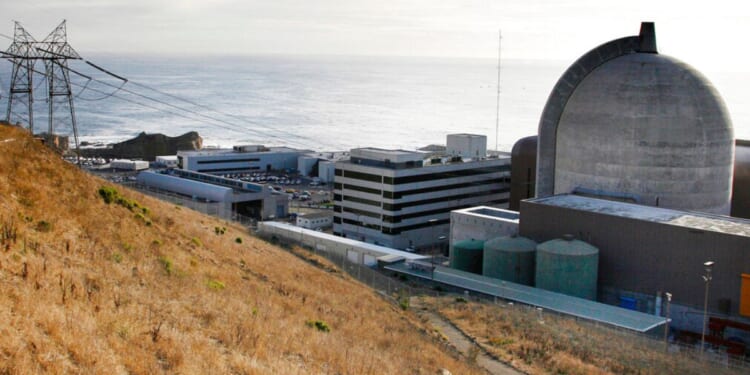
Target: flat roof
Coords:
[[225, 151], [490, 212], [374, 249], [561, 303], [687, 219], [380, 154], [316, 215]]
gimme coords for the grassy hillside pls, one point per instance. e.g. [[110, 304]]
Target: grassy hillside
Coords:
[[141, 286]]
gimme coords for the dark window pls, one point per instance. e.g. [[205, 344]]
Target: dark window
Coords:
[[451, 174], [363, 176], [336, 220], [362, 201], [401, 194], [399, 206], [337, 185], [337, 197], [362, 189], [338, 172], [336, 208], [412, 227], [361, 212]]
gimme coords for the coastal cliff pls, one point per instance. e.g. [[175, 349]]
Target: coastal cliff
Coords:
[[147, 146]]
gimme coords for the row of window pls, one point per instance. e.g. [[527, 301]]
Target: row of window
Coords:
[[248, 168], [399, 218], [401, 194], [227, 161], [400, 206], [420, 178]]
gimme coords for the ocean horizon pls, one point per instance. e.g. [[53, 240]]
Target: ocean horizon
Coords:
[[323, 103]]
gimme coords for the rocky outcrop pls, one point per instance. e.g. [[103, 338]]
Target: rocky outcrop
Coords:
[[147, 147]]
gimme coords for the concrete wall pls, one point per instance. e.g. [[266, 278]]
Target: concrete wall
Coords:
[[306, 165], [647, 257], [326, 170], [467, 145], [229, 162], [467, 226], [190, 188]]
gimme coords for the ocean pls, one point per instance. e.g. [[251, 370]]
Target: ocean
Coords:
[[323, 103]]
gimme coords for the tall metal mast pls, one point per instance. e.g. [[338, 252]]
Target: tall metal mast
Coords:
[[497, 112], [55, 52]]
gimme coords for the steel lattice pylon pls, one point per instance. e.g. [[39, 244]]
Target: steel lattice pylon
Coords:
[[54, 51]]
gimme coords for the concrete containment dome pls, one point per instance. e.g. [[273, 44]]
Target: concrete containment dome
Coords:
[[627, 123]]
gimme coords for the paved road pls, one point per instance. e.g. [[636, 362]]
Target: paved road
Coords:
[[463, 343]]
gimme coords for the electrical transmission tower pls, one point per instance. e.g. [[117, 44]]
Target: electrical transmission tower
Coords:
[[54, 52]]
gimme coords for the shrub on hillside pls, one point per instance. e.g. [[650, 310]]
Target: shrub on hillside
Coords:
[[319, 325]]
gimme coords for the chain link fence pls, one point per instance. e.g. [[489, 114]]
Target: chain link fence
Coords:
[[399, 288]]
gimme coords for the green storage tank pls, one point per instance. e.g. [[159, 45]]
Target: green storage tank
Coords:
[[510, 259], [567, 266], [467, 256]]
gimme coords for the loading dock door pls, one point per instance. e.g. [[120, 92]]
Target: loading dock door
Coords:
[[745, 295]]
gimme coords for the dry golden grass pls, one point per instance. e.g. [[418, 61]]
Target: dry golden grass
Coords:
[[88, 287], [559, 344]]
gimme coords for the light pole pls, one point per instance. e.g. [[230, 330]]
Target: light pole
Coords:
[[707, 279], [666, 323]]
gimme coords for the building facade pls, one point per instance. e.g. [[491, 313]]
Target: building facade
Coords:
[[398, 199], [240, 159], [230, 197], [315, 220], [482, 223], [645, 251]]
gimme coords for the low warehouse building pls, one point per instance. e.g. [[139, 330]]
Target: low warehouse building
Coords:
[[232, 197]]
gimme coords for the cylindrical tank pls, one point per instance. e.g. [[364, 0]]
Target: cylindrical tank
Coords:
[[741, 181], [567, 266], [522, 171], [466, 256], [510, 259]]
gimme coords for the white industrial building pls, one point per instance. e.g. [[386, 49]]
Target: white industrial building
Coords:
[[129, 165], [231, 196], [470, 146], [315, 220], [399, 199], [326, 170], [482, 223], [240, 159], [168, 161], [320, 164]]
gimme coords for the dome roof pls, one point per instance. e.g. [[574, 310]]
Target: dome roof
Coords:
[[637, 124]]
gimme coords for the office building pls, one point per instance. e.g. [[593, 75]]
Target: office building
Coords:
[[400, 199]]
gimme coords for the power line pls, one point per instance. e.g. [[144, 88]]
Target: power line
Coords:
[[237, 127]]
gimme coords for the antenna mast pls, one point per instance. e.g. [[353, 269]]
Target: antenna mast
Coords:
[[497, 113]]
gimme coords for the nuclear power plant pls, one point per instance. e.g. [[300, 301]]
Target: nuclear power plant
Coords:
[[627, 122]]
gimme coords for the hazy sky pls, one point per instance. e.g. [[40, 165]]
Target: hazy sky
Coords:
[[707, 34]]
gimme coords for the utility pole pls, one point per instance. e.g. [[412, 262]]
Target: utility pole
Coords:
[[54, 51]]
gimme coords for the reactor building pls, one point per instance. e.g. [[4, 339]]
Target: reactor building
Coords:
[[627, 123]]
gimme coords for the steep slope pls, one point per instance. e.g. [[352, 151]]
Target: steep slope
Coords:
[[141, 286]]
